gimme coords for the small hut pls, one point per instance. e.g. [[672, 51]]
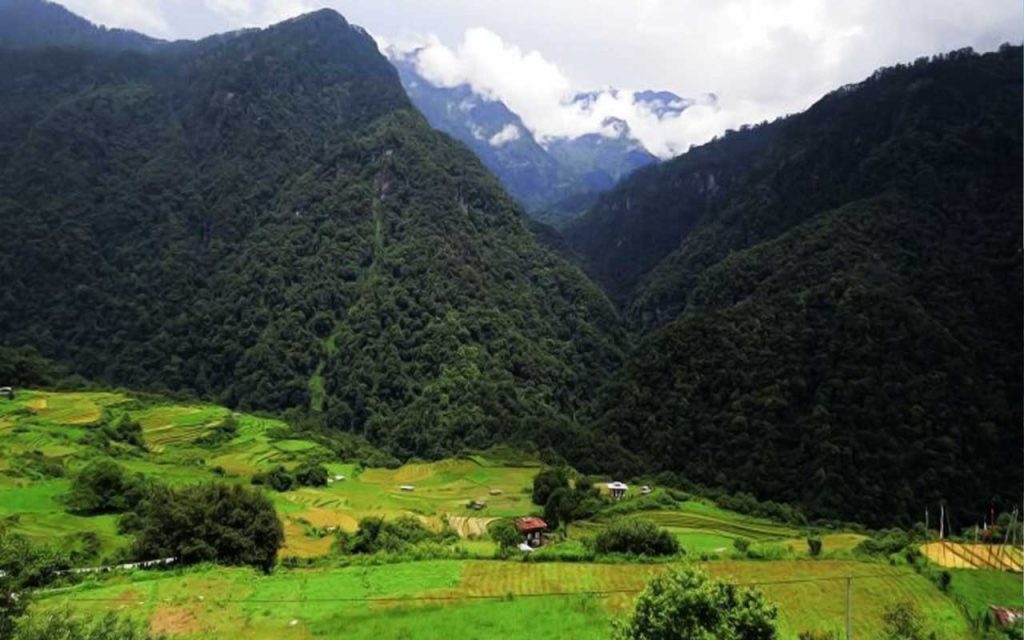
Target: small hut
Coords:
[[7, 392], [617, 490], [532, 530], [407, 487]]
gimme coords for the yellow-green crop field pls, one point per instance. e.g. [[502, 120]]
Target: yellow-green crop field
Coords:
[[474, 597], [487, 599]]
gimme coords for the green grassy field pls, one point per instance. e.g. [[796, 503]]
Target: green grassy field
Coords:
[[979, 589], [487, 599], [474, 598], [56, 425]]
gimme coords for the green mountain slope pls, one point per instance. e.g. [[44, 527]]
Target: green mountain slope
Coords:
[[839, 323], [263, 219]]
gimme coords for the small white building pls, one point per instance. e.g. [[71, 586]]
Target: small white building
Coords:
[[407, 487], [617, 489]]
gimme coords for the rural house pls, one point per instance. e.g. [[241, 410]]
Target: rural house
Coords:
[[617, 489], [532, 530]]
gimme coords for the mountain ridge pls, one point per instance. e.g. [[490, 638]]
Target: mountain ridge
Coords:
[[264, 219]]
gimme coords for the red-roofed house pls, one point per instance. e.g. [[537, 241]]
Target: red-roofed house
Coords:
[[532, 529]]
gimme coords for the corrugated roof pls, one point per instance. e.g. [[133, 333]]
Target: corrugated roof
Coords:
[[530, 524]]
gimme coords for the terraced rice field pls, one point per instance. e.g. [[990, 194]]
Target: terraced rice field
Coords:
[[436, 599], [165, 426], [956, 555], [57, 424]]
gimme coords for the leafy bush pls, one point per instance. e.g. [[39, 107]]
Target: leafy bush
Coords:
[[23, 566], [635, 536], [311, 474], [887, 542], [741, 544], [307, 474], [103, 486], [814, 546], [379, 535], [228, 524], [685, 603], [121, 429], [504, 533], [277, 479], [224, 432], [903, 622]]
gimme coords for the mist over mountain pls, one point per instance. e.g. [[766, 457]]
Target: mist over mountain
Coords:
[[555, 178]]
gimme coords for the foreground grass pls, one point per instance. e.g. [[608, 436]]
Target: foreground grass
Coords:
[[486, 599]]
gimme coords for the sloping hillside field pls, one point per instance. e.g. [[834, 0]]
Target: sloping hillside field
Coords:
[[485, 599], [47, 437]]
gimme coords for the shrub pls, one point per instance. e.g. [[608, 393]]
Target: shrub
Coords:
[[504, 533], [224, 432], [103, 486], [685, 603], [277, 479], [311, 474], [377, 535], [886, 542], [818, 635], [814, 546], [741, 544], [903, 622], [639, 537], [228, 524]]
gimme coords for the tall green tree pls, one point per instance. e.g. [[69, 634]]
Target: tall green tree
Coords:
[[685, 603]]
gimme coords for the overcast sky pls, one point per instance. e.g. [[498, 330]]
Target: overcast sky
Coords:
[[762, 58]]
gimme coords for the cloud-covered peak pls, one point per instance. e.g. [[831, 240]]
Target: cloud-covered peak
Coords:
[[545, 99]]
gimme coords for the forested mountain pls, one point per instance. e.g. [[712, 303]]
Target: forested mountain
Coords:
[[833, 301], [265, 220], [825, 310], [555, 181]]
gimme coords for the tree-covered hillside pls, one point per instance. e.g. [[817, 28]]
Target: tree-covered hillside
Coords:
[[835, 317], [264, 219]]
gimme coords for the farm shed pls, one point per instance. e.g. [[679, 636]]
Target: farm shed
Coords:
[[617, 489], [532, 530]]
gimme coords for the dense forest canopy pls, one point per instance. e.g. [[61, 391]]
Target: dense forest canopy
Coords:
[[263, 219], [832, 302], [825, 310]]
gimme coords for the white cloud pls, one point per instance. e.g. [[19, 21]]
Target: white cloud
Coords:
[[763, 58], [541, 94], [509, 133], [232, 8], [142, 15]]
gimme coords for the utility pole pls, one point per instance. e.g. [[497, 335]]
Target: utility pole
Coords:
[[849, 608]]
